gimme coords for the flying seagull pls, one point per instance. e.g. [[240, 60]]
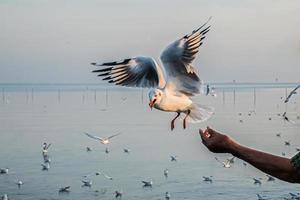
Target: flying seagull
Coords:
[[172, 84], [207, 179], [102, 140], [147, 183], [291, 94], [227, 163], [64, 189]]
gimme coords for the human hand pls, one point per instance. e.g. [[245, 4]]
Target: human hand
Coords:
[[216, 142]]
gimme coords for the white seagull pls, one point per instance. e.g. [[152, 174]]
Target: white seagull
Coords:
[[226, 163], [102, 140], [172, 85]]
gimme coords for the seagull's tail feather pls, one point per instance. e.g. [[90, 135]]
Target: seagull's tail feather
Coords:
[[199, 113]]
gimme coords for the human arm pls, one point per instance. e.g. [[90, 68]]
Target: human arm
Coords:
[[279, 167]]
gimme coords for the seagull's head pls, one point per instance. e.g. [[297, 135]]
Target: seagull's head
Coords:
[[155, 96]]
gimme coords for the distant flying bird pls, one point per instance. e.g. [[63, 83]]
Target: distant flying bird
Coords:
[[278, 134], [173, 158], [226, 163], [106, 176], [45, 167], [45, 147], [4, 197], [166, 173], [257, 181], [19, 184], [126, 150], [4, 170], [87, 183], [102, 140], [270, 178], [147, 183], [167, 196], [172, 85], [260, 197], [291, 94], [106, 150], [88, 149], [287, 143], [207, 179], [64, 189], [118, 194]]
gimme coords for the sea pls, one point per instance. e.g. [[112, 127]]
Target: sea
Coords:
[[60, 114]]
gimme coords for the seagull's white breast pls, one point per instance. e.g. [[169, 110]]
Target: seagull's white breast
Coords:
[[173, 103]]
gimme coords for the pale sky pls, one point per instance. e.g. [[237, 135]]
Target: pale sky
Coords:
[[53, 41]]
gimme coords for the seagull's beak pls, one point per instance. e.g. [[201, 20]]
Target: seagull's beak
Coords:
[[152, 102]]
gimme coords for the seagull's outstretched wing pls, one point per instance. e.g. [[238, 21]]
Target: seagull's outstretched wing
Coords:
[[113, 136], [291, 94], [94, 137], [178, 57], [133, 72]]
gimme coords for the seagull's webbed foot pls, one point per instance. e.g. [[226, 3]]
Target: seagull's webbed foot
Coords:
[[184, 120], [173, 121]]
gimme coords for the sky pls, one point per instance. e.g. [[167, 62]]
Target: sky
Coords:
[[53, 41]]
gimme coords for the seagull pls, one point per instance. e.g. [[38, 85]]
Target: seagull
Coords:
[[260, 197], [270, 178], [102, 140], [87, 183], [257, 182], [173, 158], [4, 170], [106, 150], [171, 85], [207, 179], [126, 150], [147, 183], [88, 149], [118, 194], [166, 173], [45, 147], [226, 164], [46, 158], [278, 134], [4, 197], [45, 167], [64, 189], [167, 196], [291, 94], [287, 143], [106, 176], [19, 184], [245, 164]]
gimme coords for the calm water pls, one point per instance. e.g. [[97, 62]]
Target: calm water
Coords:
[[30, 117]]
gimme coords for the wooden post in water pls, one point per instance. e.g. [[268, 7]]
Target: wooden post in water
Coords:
[[234, 95], [32, 94], [3, 95], [58, 95], [95, 96], [106, 97], [254, 97], [27, 96], [223, 96]]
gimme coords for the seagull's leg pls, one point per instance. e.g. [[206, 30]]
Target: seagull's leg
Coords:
[[173, 121], [184, 120]]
